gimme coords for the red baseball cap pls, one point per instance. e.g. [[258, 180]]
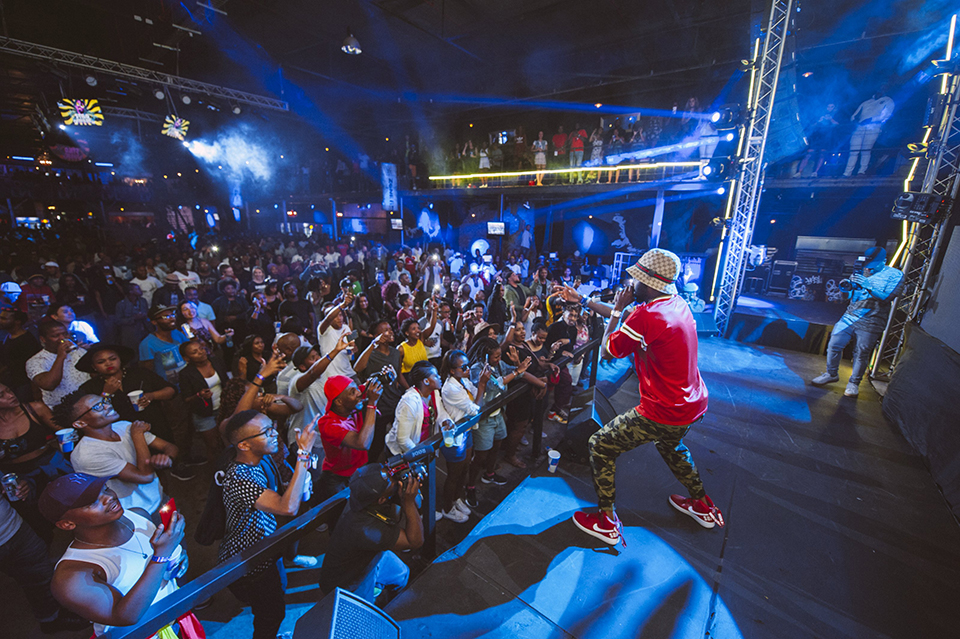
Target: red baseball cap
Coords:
[[334, 386]]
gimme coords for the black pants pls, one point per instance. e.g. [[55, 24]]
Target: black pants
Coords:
[[24, 558], [264, 593]]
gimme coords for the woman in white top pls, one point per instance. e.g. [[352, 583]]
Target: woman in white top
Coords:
[[540, 157], [462, 399], [420, 412], [119, 563], [198, 328]]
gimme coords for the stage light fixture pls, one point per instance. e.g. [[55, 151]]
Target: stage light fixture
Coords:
[[63, 127], [715, 170], [727, 117], [236, 109], [92, 81], [185, 99], [158, 94], [350, 44]]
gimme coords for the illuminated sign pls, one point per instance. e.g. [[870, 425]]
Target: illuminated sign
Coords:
[[175, 127], [81, 112]]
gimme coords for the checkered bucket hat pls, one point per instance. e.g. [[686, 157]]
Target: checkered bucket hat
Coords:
[[658, 269]]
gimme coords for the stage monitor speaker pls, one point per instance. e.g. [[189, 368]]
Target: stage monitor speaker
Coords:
[[576, 438], [781, 275], [344, 615]]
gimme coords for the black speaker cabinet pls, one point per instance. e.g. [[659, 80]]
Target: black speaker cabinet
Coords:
[[343, 615]]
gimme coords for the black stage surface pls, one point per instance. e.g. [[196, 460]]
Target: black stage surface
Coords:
[[834, 529], [779, 322]]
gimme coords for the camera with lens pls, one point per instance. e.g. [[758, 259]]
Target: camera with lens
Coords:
[[385, 377], [847, 285], [405, 471]]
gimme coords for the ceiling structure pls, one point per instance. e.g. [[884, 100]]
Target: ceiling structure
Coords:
[[422, 61]]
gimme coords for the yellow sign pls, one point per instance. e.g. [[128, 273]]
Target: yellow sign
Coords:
[[175, 127], [81, 112]]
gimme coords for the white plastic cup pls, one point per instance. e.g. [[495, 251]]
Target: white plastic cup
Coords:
[[67, 439], [135, 399], [554, 457], [448, 437]]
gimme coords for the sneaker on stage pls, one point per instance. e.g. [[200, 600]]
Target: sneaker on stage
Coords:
[[825, 378], [703, 511], [599, 525]]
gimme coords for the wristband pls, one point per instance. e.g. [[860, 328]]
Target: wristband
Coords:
[[161, 560], [328, 357], [257, 385], [584, 300], [259, 376]]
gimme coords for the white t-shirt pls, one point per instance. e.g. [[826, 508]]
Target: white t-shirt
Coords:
[[314, 404], [147, 286], [106, 459], [42, 362], [435, 350], [188, 280], [326, 343]]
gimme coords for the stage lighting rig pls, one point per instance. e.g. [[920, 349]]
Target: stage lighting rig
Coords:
[[716, 170], [727, 117]]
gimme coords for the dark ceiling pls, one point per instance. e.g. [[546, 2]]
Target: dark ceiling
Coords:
[[430, 61]]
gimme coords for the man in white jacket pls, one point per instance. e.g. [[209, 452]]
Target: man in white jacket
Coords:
[[420, 411]]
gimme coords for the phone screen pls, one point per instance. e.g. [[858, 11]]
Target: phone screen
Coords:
[[353, 336]]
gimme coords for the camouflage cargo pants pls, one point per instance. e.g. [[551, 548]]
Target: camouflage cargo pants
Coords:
[[626, 432]]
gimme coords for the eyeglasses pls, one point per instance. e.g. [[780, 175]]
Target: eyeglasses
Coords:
[[100, 407], [265, 431]]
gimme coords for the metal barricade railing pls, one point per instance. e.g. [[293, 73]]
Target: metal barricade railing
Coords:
[[218, 578], [213, 581]]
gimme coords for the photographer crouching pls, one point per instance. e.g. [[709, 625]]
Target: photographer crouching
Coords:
[[362, 555], [865, 318]]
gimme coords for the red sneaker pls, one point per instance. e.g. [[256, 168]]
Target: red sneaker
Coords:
[[600, 525], [703, 511]]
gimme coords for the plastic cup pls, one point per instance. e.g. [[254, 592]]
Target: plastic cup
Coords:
[[67, 438], [448, 437], [135, 399], [554, 457]]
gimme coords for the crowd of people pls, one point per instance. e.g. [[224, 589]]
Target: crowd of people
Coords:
[[125, 369]]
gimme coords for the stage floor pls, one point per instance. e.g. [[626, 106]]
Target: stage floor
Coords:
[[834, 529]]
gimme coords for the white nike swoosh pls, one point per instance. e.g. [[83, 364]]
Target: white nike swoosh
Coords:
[[602, 530]]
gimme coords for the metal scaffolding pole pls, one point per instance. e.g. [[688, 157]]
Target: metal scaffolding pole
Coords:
[[108, 67], [738, 232], [941, 176]]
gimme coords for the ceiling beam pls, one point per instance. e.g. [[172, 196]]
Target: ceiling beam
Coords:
[[108, 67]]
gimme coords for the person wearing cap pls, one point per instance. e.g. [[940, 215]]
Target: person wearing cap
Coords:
[[864, 320], [126, 453], [170, 294], [54, 368], [661, 334], [307, 384], [159, 351], [119, 563], [132, 317], [81, 332], [35, 292], [52, 271], [253, 496], [346, 431], [362, 554], [24, 558], [16, 346], [9, 294], [691, 297], [113, 376]]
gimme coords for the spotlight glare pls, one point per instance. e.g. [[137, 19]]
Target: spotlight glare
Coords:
[[63, 127], [158, 94], [186, 144], [236, 110], [350, 45], [715, 117], [729, 137], [721, 191], [92, 81], [598, 105], [708, 170], [185, 99]]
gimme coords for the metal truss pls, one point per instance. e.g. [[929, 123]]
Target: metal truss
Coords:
[[923, 241], [764, 76], [50, 54]]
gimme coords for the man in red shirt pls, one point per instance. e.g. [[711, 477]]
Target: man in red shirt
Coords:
[[35, 293], [662, 336], [560, 149], [577, 137], [345, 432]]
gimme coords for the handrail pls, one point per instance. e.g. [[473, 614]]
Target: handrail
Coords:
[[216, 579]]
